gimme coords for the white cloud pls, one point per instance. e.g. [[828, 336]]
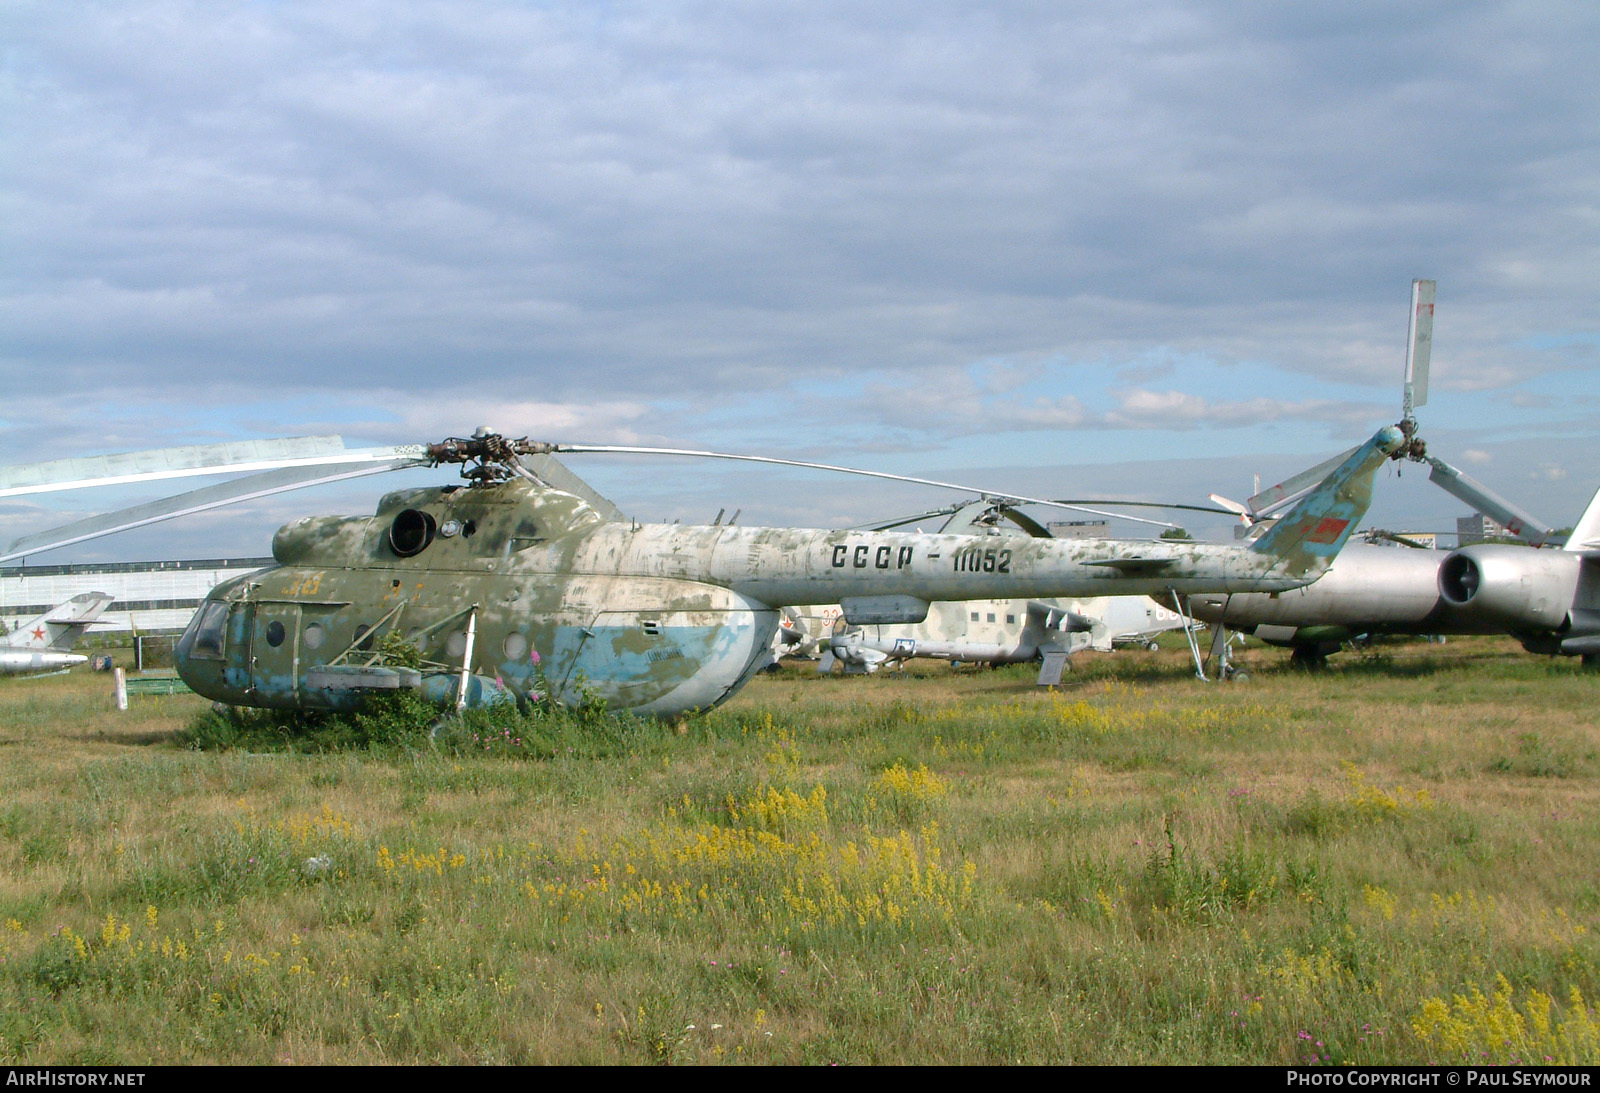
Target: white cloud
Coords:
[[641, 218]]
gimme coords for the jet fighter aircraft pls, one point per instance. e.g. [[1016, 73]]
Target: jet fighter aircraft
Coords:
[[1547, 599], [43, 644]]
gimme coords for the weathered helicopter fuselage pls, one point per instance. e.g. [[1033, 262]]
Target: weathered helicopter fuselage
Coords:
[[512, 588], [505, 564]]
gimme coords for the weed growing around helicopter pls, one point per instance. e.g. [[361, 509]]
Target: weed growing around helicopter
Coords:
[[404, 721], [1379, 863], [385, 721]]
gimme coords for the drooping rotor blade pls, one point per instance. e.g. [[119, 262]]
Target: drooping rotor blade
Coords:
[[1419, 347], [1010, 498], [265, 484], [1373, 535], [1140, 505], [1292, 489], [1486, 501], [1241, 511], [194, 459], [902, 521]]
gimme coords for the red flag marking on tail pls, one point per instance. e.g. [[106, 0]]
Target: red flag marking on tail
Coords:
[[1328, 530]]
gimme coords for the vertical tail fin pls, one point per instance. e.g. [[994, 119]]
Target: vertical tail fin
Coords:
[[1586, 534], [61, 626], [1311, 534]]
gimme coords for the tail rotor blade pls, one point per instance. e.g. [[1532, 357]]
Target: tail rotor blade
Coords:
[[1419, 347]]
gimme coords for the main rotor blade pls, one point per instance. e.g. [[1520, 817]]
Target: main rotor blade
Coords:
[[622, 449], [195, 459], [248, 488], [949, 510], [1486, 501], [1419, 347]]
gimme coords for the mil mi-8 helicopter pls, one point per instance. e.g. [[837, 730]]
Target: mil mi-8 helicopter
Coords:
[[509, 587]]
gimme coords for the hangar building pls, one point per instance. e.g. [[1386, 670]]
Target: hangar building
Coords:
[[151, 597]]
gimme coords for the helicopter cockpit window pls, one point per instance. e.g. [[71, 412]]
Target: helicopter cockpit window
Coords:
[[411, 532], [209, 626]]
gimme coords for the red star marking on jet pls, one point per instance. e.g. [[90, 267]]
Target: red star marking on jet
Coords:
[[38, 633]]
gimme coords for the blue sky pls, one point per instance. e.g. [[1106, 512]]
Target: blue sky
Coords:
[[1151, 249]]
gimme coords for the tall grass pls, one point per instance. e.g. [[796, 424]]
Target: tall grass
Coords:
[[1387, 862]]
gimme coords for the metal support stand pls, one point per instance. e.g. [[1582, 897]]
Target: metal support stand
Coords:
[[1181, 603], [466, 659]]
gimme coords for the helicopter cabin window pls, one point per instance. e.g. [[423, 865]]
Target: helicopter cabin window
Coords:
[[315, 636], [1011, 618], [275, 633], [990, 618], [974, 616], [457, 643], [515, 646], [209, 626]]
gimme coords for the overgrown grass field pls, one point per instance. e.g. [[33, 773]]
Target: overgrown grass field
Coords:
[[1391, 861]]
